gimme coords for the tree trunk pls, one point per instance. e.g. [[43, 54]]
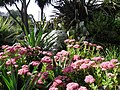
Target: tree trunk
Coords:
[[42, 14], [25, 16]]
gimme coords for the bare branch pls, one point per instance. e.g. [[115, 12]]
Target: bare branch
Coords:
[[28, 3], [17, 7], [21, 1]]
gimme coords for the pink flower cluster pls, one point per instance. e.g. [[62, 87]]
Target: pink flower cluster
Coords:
[[76, 57], [98, 47], [89, 79], [62, 55], [59, 81], [98, 59], [15, 48], [68, 69], [42, 76], [75, 86], [76, 46], [11, 61], [82, 88], [24, 70], [71, 43], [83, 64], [22, 51], [107, 65], [47, 53], [35, 63], [46, 59], [72, 86]]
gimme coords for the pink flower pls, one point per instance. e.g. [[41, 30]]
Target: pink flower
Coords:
[[24, 70], [4, 46], [114, 60], [25, 67], [85, 42], [35, 63], [84, 66], [72, 86], [61, 77], [57, 82], [90, 44], [56, 58], [94, 45], [68, 69], [49, 53], [44, 75], [62, 53], [111, 65], [17, 46], [89, 79], [91, 63], [86, 61], [40, 81], [99, 47], [1, 53], [76, 46], [8, 63], [53, 88], [44, 52], [46, 59], [66, 41], [76, 57], [71, 40], [82, 88], [12, 61], [11, 49], [22, 51], [77, 63], [98, 59], [107, 65], [70, 46]]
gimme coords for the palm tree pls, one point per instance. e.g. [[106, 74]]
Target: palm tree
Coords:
[[22, 11], [41, 4]]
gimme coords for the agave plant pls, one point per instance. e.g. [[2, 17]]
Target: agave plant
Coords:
[[37, 37]]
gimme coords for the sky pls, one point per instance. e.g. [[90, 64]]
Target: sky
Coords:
[[34, 10]]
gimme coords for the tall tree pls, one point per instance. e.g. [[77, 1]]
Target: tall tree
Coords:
[[41, 4], [22, 11]]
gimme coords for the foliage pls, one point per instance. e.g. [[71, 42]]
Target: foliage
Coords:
[[98, 18], [37, 37], [8, 33], [11, 76], [23, 23], [41, 4], [81, 66], [103, 28]]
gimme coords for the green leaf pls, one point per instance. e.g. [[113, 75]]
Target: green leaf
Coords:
[[39, 37], [7, 82]]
